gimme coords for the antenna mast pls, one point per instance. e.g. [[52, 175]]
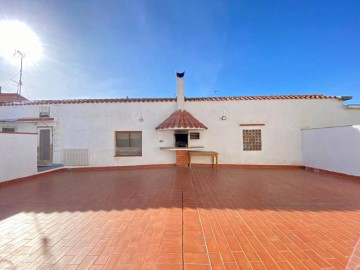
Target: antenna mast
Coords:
[[22, 55]]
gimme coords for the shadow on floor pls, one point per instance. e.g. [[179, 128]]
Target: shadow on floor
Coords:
[[47, 168]]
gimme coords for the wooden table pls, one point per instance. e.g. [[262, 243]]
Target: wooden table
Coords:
[[214, 156]]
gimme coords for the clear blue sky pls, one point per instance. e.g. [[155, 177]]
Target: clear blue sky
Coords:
[[97, 49]]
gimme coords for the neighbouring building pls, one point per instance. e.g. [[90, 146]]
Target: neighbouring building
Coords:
[[10, 97], [254, 130]]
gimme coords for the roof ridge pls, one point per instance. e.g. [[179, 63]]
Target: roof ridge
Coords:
[[167, 99], [267, 97]]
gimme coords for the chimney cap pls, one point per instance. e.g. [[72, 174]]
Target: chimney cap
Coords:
[[180, 74]]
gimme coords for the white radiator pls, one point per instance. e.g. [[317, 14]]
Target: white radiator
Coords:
[[76, 157]]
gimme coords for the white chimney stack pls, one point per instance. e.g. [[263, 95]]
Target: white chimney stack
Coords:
[[180, 99]]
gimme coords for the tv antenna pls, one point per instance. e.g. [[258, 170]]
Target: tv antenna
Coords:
[[19, 83]]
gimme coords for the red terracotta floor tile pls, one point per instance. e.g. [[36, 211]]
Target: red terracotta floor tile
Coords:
[[87, 262], [175, 218], [196, 258], [284, 266], [231, 266], [215, 261], [197, 266], [171, 249], [169, 266], [170, 258]]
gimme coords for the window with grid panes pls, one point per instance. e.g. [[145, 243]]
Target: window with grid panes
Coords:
[[128, 143]]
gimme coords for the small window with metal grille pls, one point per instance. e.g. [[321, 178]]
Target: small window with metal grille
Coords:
[[194, 135]]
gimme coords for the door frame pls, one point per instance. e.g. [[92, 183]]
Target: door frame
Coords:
[[45, 162]]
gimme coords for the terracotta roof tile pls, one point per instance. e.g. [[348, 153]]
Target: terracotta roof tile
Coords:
[[11, 97], [84, 101], [137, 100], [181, 119], [279, 97]]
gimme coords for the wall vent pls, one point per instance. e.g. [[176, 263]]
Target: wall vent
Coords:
[[44, 111], [76, 157]]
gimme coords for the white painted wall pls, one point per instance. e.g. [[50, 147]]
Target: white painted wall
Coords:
[[92, 126], [18, 155], [334, 149], [281, 136], [32, 111]]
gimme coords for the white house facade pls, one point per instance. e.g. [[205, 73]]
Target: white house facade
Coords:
[[263, 130]]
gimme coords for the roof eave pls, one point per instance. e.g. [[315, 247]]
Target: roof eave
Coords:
[[344, 98], [28, 120], [181, 128]]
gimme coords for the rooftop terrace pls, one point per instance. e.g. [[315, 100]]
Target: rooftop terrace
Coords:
[[173, 218]]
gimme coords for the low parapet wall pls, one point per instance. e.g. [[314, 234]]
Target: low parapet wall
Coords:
[[335, 149], [18, 155]]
